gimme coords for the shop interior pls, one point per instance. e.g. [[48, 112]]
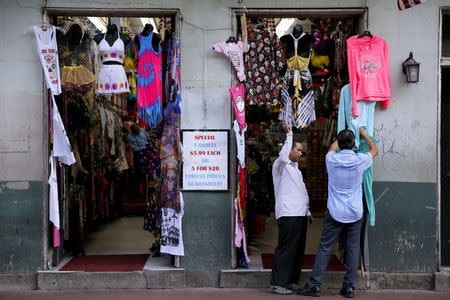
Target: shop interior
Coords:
[[125, 145], [265, 135]]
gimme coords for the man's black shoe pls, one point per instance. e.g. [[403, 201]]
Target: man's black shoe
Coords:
[[347, 292], [312, 292]]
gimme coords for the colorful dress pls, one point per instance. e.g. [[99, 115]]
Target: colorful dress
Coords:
[[170, 201], [263, 62], [149, 81]]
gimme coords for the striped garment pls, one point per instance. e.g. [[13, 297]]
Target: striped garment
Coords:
[[285, 115], [305, 112], [405, 4]]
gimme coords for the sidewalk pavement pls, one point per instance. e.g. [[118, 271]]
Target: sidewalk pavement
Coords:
[[215, 294]]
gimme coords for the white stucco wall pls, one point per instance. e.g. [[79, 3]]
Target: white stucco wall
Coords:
[[407, 130], [21, 102]]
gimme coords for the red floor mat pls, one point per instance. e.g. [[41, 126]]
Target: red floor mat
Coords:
[[308, 262], [125, 262]]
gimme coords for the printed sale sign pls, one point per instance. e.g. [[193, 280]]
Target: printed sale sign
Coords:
[[205, 160]]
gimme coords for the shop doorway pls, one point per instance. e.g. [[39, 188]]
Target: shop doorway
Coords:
[[109, 199], [265, 135], [445, 167], [445, 140]]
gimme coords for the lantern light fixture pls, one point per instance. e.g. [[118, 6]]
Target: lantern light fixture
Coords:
[[411, 68]]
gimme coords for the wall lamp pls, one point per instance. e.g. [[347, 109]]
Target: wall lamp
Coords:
[[411, 68]]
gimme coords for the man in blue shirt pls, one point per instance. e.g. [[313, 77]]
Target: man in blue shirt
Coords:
[[345, 208]]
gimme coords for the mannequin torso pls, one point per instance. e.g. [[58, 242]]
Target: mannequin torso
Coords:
[[111, 36], [145, 32], [304, 43]]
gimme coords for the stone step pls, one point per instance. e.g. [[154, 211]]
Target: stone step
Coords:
[[233, 278]]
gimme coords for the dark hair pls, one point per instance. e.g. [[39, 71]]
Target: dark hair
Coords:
[[294, 144], [346, 139], [135, 128]]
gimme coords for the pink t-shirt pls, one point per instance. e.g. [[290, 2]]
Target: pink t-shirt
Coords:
[[368, 68], [235, 54], [237, 97]]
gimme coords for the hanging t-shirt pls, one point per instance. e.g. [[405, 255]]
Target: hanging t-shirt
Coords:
[[53, 193], [48, 54], [240, 142], [237, 97], [53, 201], [235, 54], [346, 119], [240, 239], [368, 68], [172, 231], [61, 145]]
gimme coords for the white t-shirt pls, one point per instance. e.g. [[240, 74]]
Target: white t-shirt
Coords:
[[240, 142], [61, 145], [48, 54]]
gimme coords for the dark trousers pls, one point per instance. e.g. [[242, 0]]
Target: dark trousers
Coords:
[[288, 256], [330, 234]]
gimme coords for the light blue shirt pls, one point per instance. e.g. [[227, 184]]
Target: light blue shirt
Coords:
[[346, 119], [345, 175]]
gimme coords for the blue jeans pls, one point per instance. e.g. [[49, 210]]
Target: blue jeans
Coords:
[[330, 235]]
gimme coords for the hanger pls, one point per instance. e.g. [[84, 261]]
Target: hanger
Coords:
[[232, 39], [260, 24], [45, 26], [366, 33]]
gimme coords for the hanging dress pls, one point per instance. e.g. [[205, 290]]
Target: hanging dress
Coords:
[[303, 100], [263, 62], [48, 54], [149, 81], [112, 79]]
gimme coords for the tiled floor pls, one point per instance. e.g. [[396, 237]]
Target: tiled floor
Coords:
[[124, 235], [266, 242]]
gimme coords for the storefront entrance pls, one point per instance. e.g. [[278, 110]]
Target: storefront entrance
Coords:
[[110, 199], [445, 140], [265, 136]]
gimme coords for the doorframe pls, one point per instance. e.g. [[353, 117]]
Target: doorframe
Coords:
[[362, 13], [443, 62], [47, 13]]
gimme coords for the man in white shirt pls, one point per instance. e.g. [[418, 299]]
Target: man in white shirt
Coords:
[[345, 208], [292, 214]]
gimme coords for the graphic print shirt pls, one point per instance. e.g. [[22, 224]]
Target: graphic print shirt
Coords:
[[368, 67], [235, 54]]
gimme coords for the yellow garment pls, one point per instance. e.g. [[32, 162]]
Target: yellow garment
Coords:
[[320, 61], [297, 64], [78, 78], [128, 63], [244, 29]]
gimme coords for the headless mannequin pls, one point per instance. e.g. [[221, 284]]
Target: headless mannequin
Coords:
[[304, 43], [148, 28], [110, 37], [74, 35]]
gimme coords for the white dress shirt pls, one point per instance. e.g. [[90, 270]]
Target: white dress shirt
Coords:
[[291, 197]]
